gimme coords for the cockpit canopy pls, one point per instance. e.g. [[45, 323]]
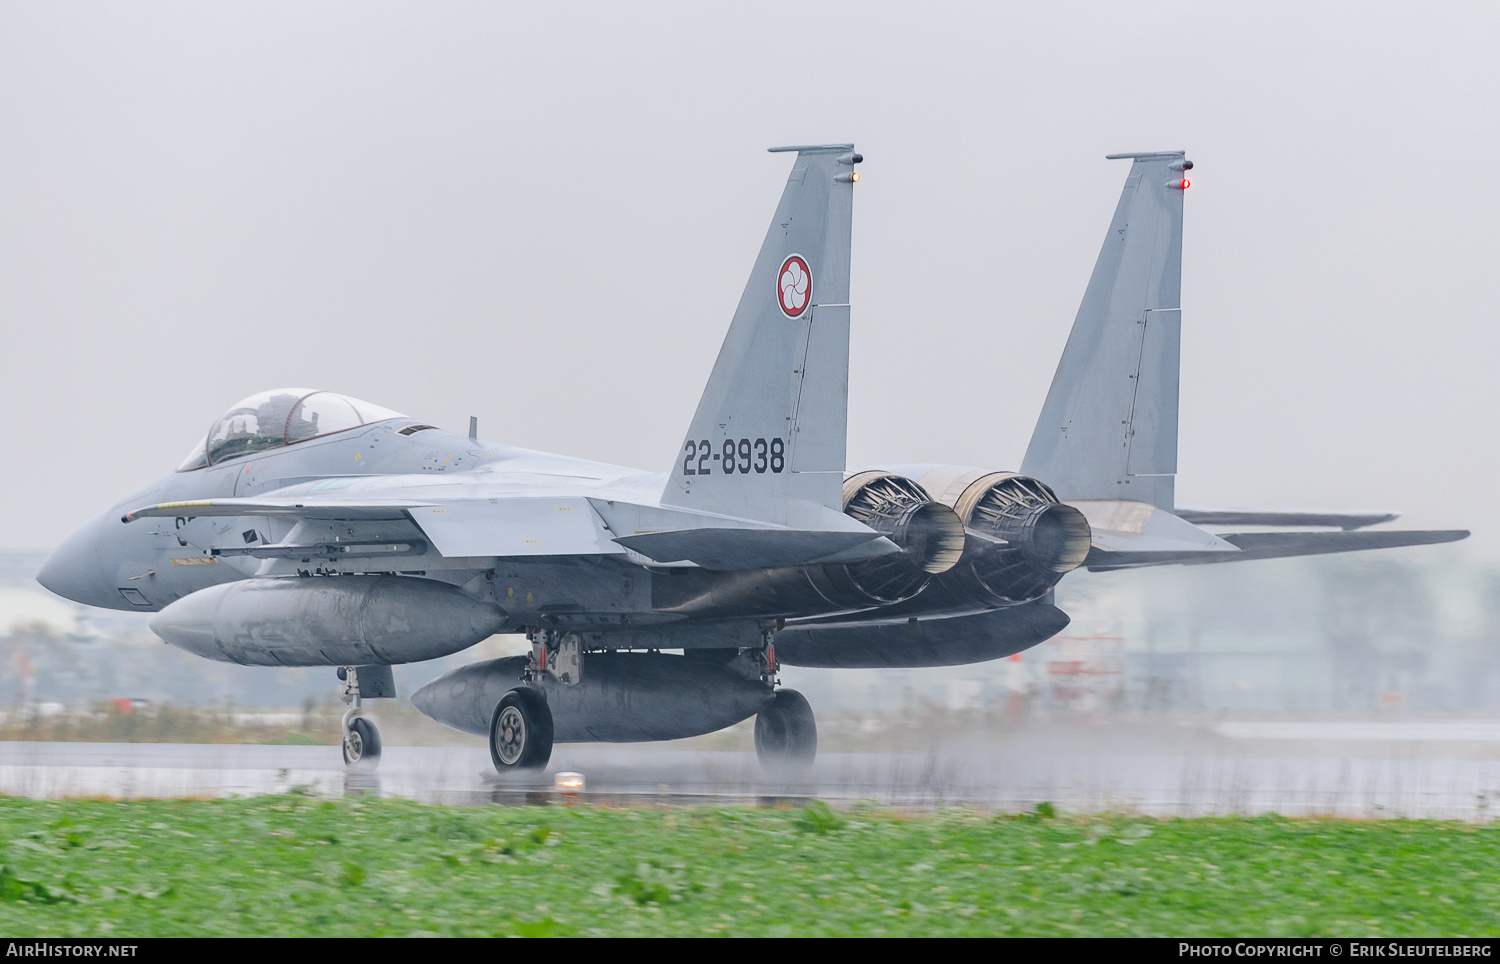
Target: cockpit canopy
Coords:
[[282, 416]]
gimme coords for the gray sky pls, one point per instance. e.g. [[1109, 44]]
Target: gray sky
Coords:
[[544, 214]]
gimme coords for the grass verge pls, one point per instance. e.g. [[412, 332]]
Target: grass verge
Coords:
[[292, 865]]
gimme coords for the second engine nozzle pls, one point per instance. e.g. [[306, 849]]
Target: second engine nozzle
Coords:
[[1024, 539], [930, 534]]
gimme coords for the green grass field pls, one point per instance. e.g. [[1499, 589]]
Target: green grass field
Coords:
[[292, 865]]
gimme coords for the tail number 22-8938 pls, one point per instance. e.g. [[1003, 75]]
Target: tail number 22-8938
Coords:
[[743, 456]]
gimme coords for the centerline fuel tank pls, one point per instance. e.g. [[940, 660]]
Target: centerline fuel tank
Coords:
[[622, 698]]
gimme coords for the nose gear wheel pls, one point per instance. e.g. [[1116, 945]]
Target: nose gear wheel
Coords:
[[361, 744]]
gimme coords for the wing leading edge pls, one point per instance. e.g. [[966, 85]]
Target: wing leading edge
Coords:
[[301, 507]]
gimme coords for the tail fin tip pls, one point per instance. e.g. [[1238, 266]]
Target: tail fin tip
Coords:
[[809, 148], [1143, 155], [1108, 429]]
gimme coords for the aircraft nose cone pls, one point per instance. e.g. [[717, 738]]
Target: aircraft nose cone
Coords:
[[72, 570]]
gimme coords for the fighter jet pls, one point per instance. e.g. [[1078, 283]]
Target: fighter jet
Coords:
[[308, 528]]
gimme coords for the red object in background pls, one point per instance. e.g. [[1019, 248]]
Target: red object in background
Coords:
[[124, 705]]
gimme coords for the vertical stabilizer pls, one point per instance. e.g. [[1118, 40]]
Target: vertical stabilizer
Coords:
[[767, 441], [1108, 429]]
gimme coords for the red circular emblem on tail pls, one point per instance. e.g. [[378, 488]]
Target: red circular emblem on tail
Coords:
[[794, 286]]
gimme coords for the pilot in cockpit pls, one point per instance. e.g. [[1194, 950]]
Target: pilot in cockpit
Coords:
[[277, 418]]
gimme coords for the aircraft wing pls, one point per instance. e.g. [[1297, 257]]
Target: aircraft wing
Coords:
[[465, 527], [511, 526], [576, 526]]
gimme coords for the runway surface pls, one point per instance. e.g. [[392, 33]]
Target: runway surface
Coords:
[[1349, 772]]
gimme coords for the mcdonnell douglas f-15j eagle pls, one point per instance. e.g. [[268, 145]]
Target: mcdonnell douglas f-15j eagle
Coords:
[[313, 529]]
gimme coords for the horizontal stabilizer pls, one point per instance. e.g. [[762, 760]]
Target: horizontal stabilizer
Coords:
[[718, 548], [1125, 525], [1272, 545], [1285, 517]]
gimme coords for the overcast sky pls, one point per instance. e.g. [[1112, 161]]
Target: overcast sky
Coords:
[[544, 214]]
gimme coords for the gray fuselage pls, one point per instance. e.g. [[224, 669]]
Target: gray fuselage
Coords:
[[150, 563]]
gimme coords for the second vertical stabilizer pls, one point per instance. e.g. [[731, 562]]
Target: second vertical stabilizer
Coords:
[[1108, 429]]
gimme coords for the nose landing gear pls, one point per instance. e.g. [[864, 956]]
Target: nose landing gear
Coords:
[[361, 738], [361, 743]]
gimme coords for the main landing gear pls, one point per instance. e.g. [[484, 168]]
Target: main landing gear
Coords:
[[786, 734], [521, 731], [361, 736], [521, 725]]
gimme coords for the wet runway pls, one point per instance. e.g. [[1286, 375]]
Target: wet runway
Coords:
[[1112, 772]]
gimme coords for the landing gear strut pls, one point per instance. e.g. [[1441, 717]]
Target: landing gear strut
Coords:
[[786, 734], [521, 724], [361, 737]]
